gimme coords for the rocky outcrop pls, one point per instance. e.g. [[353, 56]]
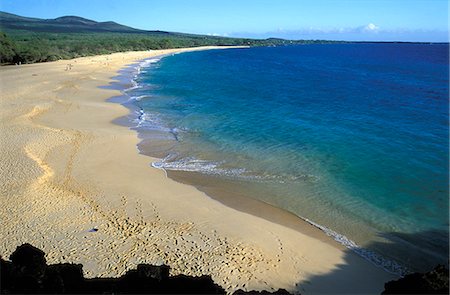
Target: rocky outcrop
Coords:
[[433, 282], [28, 272]]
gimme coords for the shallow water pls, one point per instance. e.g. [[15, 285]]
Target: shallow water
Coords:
[[353, 137]]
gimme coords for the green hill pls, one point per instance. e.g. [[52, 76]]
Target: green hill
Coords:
[[64, 24], [28, 40]]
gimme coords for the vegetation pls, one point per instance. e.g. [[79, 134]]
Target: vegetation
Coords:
[[8, 50], [29, 40]]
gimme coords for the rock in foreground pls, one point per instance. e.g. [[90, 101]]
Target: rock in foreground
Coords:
[[433, 282], [28, 272]]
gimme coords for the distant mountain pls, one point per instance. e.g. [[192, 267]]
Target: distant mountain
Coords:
[[64, 24], [13, 17], [73, 20]]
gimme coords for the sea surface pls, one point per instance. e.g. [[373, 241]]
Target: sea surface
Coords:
[[351, 137]]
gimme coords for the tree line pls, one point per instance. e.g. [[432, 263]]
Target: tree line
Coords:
[[30, 47]]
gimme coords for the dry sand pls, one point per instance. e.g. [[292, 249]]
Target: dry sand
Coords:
[[65, 168]]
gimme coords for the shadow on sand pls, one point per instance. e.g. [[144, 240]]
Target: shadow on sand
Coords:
[[419, 252]]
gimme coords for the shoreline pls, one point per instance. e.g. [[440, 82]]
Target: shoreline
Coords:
[[232, 198], [72, 169], [238, 202], [250, 206]]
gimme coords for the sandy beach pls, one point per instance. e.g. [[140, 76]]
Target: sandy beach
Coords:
[[66, 168]]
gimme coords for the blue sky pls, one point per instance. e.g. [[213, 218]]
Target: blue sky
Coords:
[[371, 20]]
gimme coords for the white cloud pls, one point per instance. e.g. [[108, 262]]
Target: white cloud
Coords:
[[217, 34], [371, 28], [369, 32]]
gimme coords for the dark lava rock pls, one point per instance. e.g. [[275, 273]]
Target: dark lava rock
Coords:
[[28, 273], [63, 278], [158, 273], [433, 282], [182, 284], [29, 260]]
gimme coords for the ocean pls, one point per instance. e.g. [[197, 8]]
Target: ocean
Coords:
[[351, 137]]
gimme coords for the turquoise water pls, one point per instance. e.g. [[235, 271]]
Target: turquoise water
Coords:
[[351, 136]]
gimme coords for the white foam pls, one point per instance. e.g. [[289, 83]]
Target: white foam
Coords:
[[151, 121], [138, 69], [147, 120], [134, 85], [191, 164], [379, 261], [138, 97], [146, 63], [214, 168]]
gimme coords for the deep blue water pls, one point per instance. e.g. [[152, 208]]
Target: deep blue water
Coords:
[[351, 136]]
